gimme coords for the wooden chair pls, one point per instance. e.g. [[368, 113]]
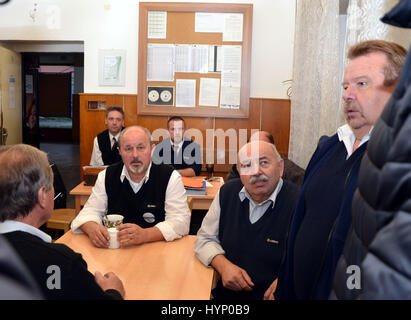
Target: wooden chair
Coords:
[[61, 219], [190, 204]]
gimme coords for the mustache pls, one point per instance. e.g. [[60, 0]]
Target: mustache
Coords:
[[136, 161], [261, 177], [351, 106]]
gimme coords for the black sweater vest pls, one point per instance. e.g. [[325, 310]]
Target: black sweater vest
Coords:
[[109, 156], [258, 248], [144, 208]]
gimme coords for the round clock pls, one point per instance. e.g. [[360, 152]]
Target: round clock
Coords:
[[153, 95], [166, 95]]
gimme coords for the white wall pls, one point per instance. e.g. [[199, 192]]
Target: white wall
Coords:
[[109, 24]]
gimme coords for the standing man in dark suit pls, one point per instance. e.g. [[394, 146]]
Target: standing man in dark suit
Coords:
[[182, 153], [323, 215], [26, 203], [105, 146]]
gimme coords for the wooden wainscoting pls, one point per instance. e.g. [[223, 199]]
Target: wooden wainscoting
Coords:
[[271, 115]]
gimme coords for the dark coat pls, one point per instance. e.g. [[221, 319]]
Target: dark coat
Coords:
[[379, 241], [74, 282], [322, 285]]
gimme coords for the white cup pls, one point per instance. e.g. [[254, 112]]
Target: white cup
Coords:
[[114, 242]]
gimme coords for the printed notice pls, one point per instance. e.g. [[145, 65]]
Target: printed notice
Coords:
[[209, 92], [191, 58], [111, 68], [185, 93], [233, 27], [209, 22], [160, 62], [230, 97], [231, 77], [157, 25]]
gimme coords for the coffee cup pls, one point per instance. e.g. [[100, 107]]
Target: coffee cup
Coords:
[[114, 243], [112, 220]]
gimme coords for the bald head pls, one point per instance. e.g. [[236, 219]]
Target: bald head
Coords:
[[263, 136], [260, 169]]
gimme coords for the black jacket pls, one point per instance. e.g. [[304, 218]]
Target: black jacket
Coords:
[[379, 242], [60, 272]]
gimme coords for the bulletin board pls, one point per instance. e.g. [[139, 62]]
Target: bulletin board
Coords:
[[194, 59]]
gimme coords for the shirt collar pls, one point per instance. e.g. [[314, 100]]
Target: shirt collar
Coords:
[[12, 225], [116, 136], [244, 194], [346, 135], [124, 174], [178, 145]]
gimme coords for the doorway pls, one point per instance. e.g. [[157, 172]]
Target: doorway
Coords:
[[51, 86], [51, 83]]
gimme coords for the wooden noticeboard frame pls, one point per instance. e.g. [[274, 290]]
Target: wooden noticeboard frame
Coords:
[[181, 30]]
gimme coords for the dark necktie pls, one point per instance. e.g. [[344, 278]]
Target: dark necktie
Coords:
[[115, 144]]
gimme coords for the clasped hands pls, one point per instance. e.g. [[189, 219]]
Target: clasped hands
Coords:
[[236, 278], [128, 234]]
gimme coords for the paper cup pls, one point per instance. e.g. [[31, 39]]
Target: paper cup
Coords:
[[114, 242]]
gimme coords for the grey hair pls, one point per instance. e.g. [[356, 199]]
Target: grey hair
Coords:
[[24, 170], [115, 108], [148, 134], [276, 154]]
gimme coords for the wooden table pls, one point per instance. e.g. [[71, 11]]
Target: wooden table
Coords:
[[153, 271], [82, 192]]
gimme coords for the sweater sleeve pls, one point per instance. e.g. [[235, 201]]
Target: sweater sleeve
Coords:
[[81, 284]]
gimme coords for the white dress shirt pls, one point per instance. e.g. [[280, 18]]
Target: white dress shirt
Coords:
[[96, 159], [177, 146], [12, 225], [207, 244], [346, 135], [177, 213]]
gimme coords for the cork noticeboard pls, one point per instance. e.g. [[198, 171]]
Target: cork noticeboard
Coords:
[[194, 59]]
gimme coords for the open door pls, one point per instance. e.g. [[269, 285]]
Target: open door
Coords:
[[10, 97], [31, 130]]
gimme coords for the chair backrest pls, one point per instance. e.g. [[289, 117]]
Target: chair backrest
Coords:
[[60, 192]]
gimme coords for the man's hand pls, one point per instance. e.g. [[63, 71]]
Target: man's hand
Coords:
[[131, 234], [97, 233], [110, 281], [233, 277], [269, 294]]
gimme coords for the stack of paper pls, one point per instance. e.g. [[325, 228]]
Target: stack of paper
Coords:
[[194, 186]]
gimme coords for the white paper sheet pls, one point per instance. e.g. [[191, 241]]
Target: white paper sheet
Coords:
[[157, 25], [160, 62], [231, 77], [209, 92], [209, 22], [185, 93], [111, 68], [233, 27], [231, 66], [191, 58], [230, 97]]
